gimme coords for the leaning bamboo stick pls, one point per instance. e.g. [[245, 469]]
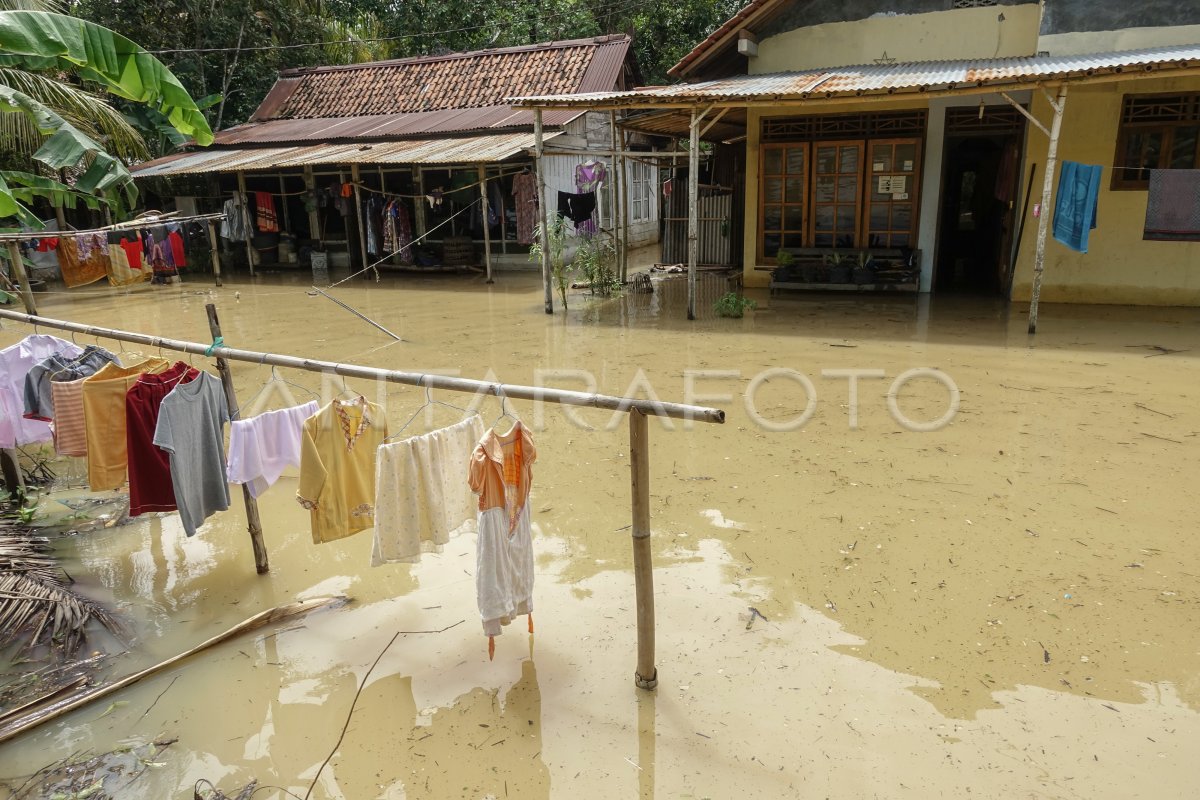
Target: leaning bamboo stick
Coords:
[[271, 615]]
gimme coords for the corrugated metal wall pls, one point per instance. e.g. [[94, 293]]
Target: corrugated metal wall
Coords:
[[715, 212], [560, 177]]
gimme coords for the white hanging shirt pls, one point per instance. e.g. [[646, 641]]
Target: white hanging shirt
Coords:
[[262, 447], [15, 363]]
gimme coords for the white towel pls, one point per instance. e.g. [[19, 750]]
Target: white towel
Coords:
[[422, 498], [262, 447]]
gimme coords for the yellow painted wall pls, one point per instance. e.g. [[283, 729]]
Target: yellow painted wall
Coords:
[[1063, 44], [960, 33], [1119, 267]]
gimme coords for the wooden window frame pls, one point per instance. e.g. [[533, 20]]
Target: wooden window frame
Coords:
[[811, 238], [805, 221], [1163, 124], [914, 191]]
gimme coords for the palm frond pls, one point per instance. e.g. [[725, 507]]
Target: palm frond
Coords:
[[86, 111], [56, 6], [37, 606]]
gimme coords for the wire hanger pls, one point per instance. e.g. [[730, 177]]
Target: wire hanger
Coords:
[[429, 401], [348, 395], [275, 378], [504, 410]]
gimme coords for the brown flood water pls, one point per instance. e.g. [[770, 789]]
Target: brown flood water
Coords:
[[1005, 608]]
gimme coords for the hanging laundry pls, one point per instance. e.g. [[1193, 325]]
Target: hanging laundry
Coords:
[[39, 402], [191, 428], [70, 433], [389, 227], [501, 472], [264, 212], [262, 447], [372, 208], [150, 484], [337, 467], [577, 207], [1075, 204], [160, 254], [589, 177], [120, 271], [1173, 206], [421, 500], [667, 187], [235, 227], [175, 241], [15, 363], [104, 420], [434, 199], [77, 269], [131, 243], [525, 191], [404, 235]]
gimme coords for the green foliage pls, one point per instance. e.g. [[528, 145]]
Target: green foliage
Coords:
[[556, 240], [596, 259], [732, 304], [784, 258]]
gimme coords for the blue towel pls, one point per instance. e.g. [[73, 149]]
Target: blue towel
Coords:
[[1075, 205]]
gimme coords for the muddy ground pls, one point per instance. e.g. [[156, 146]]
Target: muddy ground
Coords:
[[1005, 607]]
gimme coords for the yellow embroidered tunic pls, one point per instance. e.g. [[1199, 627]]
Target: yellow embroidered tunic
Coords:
[[337, 467]]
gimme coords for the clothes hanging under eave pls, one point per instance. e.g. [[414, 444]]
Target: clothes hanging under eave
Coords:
[[1075, 204], [1173, 206]]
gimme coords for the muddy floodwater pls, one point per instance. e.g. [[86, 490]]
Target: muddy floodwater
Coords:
[[1005, 607]]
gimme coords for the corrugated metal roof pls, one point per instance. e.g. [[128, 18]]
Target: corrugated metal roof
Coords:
[[380, 126], [871, 79], [466, 150]]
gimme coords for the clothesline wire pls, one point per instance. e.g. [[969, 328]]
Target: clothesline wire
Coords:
[[165, 218]]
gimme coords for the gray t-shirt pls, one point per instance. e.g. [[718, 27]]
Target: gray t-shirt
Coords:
[[190, 428]]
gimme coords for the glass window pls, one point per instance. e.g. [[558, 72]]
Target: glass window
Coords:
[[1156, 132]]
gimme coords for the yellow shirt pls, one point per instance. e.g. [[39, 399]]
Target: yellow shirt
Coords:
[[337, 467], [104, 420]]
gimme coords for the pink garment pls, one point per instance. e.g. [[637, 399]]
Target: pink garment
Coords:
[[15, 363], [262, 447]]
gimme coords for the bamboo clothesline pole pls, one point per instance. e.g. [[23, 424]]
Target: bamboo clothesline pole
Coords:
[[638, 410], [17, 265], [153, 221]]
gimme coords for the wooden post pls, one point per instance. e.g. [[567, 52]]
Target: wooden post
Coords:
[[358, 215], [314, 217], [241, 179], [616, 182], [646, 676], [1039, 259], [287, 217], [693, 236], [487, 229], [539, 148], [14, 479], [17, 265], [216, 255], [624, 210], [253, 522]]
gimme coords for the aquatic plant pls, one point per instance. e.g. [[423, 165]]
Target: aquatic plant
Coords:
[[732, 304], [595, 259], [556, 242]]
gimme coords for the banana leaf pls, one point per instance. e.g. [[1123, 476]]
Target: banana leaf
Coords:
[[44, 41], [67, 146], [24, 187]]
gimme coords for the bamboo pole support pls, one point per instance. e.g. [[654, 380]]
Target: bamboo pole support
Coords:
[[17, 264], [646, 676], [283, 203], [487, 228], [254, 523], [358, 216], [624, 210], [241, 179], [216, 254], [314, 215], [539, 148], [1039, 259], [693, 234], [617, 165]]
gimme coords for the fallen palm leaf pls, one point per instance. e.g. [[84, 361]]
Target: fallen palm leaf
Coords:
[[271, 615]]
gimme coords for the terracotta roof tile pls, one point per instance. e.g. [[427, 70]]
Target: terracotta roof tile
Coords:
[[478, 79]]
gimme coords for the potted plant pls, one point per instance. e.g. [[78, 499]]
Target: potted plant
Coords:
[[839, 267], [863, 273], [784, 266]]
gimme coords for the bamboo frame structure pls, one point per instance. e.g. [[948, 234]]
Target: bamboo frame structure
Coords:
[[250, 228], [693, 234], [17, 264], [646, 676], [487, 228], [539, 151], [1039, 259]]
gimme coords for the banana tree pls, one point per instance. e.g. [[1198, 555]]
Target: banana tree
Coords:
[[38, 42]]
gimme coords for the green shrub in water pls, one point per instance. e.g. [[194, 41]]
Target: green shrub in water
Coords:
[[733, 304]]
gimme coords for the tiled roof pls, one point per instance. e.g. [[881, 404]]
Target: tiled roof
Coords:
[[479, 79]]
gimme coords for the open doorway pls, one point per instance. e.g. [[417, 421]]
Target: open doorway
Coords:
[[980, 180]]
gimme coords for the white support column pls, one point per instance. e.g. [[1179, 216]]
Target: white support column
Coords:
[[1039, 259]]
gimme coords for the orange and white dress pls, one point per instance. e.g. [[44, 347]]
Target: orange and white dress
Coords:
[[501, 472]]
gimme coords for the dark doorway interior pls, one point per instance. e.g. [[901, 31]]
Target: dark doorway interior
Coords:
[[976, 230]]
